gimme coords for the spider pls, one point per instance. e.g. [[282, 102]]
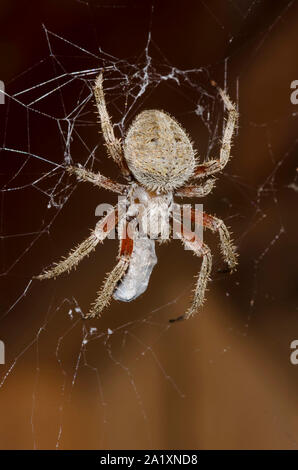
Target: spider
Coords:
[[158, 160]]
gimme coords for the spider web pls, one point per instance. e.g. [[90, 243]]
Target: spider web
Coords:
[[42, 323]]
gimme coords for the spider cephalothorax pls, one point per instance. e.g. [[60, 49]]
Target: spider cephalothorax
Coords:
[[158, 161]]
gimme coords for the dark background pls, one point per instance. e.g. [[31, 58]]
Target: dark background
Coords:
[[224, 378]]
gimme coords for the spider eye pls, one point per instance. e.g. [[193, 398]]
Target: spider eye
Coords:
[[177, 139]]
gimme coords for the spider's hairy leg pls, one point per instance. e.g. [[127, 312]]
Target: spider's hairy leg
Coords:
[[196, 190], [113, 144], [97, 179], [200, 249], [214, 224], [213, 166], [105, 294], [101, 231], [228, 250]]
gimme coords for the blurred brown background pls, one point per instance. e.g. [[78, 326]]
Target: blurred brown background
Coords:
[[222, 380]]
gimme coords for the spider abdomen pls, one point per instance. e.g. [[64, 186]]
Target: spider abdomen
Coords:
[[158, 151]]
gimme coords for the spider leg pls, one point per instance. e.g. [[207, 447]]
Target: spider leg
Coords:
[[228, 250], [213, 166], [97, 179], [200, 249], [195, 190], [214, 224], [105, 294], [101, 231], [113, 144]]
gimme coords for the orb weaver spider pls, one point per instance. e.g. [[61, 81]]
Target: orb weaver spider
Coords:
[[158, 161]]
